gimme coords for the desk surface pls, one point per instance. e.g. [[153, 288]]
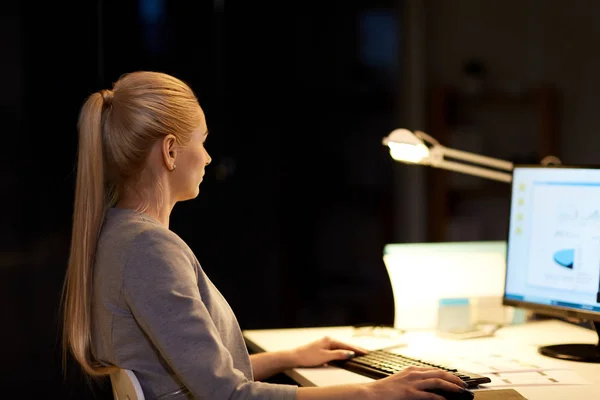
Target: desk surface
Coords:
[[520, 341]]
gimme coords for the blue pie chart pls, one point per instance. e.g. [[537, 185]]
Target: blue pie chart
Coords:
[[565, 258]]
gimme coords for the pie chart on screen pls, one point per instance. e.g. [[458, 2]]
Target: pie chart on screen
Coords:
[[565, 258]]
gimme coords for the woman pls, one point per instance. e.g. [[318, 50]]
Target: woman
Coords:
[[136, 297]]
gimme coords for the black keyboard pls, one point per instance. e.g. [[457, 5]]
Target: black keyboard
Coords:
[[381, 363]]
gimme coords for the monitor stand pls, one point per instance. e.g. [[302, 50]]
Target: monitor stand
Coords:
[[575, 351]]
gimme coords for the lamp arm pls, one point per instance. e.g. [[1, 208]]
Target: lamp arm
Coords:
[[473, 170], [476, 158], [426, 138]]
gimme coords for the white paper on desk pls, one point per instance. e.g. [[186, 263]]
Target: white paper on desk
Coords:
[[539, 378], [476, 357], [499, 363]]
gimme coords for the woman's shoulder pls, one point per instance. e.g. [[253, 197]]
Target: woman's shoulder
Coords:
[[151, 252]]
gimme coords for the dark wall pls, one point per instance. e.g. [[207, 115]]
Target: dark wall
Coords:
[[295, 208]]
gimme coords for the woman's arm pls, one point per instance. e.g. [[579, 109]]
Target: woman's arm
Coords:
[[160, 287], [413, 383], [265, 365]]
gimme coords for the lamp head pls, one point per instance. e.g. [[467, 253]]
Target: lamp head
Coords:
[[405, 146]]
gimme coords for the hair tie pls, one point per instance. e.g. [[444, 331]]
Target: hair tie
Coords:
[[107, 96]]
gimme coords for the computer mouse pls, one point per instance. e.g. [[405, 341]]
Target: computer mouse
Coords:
[[464, 394]]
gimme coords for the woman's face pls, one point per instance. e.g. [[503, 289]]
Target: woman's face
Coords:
[[190, 164]]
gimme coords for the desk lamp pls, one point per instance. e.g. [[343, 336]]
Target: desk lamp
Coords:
[[409, 147]]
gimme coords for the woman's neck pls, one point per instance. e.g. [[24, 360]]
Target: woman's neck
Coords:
[[160, 211]]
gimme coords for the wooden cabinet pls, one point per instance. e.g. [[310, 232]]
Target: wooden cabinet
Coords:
[[520, 127]]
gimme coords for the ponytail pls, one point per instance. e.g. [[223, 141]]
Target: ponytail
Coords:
[[88, 216], [117, 129]]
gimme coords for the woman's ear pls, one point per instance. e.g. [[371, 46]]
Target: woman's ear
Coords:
[[169, 151]]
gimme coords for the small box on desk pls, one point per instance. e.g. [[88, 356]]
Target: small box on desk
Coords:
[[469, 318]]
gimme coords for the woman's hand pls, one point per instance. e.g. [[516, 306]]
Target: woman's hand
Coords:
[[415, 383], [322, 351]]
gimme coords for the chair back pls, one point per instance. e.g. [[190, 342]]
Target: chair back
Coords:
[[125, 385]]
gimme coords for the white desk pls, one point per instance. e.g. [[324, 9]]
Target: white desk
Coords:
[[519, 341]]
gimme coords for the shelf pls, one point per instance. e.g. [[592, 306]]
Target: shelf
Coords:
[[500, 99], [451, 108], [484, 192]]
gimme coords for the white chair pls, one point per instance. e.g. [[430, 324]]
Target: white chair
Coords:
[[125, 385]]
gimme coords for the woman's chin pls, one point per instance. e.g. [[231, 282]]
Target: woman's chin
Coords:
[[196, 192], [192, 194]]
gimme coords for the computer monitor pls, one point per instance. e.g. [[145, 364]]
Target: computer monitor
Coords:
[[553, 248]]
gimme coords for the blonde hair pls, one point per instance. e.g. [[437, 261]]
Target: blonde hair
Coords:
[[117, 129]]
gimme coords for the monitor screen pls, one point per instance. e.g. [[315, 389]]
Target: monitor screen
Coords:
[[553, 249]]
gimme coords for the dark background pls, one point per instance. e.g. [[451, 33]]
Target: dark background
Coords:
[[280, 226], [301, 197]]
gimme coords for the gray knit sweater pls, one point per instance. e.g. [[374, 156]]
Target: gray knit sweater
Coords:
[[155, 311]]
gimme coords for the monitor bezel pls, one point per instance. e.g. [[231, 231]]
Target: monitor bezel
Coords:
[[545, 309]]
